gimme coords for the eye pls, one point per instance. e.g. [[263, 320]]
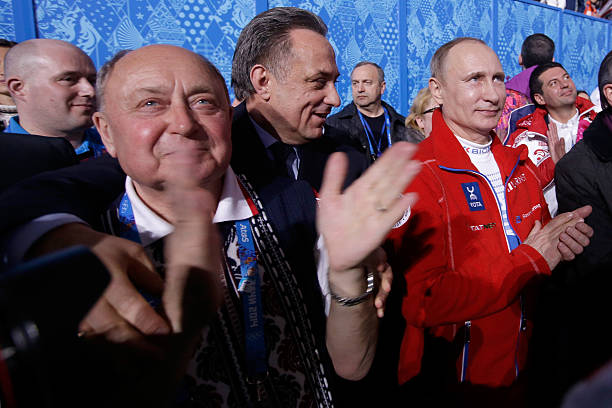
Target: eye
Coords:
[[320, 83], [68, 79], [553, 83]]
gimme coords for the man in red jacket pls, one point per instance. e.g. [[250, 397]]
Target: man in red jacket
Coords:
[[555, 126], [480, 232]]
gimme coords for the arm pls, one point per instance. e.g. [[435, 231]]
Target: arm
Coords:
[[354, 224], [444, 287], [539, 153], [580, 179], [84, 190]]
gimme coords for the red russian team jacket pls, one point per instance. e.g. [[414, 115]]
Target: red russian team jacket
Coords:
[[531, 132], [460, 273]]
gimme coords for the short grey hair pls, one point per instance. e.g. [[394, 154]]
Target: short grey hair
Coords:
[[106, 70], [437, 61], [381, 73], [265, 40], [104, 74]]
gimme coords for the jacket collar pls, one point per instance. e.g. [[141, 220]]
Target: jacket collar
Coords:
[[449, 152], [350, 110], [538, 120]]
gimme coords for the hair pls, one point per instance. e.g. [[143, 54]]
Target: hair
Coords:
[[266, 41], [7, 43], [535, 85], [537, 49], [604, 78], [105, 72], [381, 73], [417, 108], [437, 61]]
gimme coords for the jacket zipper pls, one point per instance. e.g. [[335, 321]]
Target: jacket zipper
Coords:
[[522, 320]]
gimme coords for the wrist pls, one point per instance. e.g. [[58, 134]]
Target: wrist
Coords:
[[347, 291]]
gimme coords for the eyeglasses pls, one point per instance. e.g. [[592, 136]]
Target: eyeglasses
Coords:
[[430, 110]]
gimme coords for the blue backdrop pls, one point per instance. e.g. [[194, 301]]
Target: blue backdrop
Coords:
[[399, 35]]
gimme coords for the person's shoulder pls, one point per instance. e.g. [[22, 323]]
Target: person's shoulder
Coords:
[[348, 111], [395, 115]]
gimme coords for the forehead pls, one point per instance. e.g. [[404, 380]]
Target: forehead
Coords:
[[471, 56], [365, 72], [151, 70], [552, 73], [312, 53], [59, 58]]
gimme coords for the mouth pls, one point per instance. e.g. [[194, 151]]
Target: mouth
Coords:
[[322, 115]]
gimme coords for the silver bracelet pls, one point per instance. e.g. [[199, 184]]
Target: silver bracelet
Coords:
[[346, 301]]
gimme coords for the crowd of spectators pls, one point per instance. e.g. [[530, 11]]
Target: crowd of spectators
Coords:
[[267, 254]]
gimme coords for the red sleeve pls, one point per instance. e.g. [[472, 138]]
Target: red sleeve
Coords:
[[442, 287]]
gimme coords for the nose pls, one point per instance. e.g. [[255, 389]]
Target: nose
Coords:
[[490, 91], [332, 98], [181, 120], [86, 88], [360, 87]]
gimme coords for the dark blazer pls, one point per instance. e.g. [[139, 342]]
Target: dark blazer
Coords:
[[22, 156], [346, 127], [249, 155]]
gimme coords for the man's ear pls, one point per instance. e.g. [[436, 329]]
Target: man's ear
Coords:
[[435, 87], [260, 79], [16, 87], [539, 99], [607, 93], [101, 123], [383, 87], [520, 60]]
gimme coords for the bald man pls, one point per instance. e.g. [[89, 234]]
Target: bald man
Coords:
[[52, 84]]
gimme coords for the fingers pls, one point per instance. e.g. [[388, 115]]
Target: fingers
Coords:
[[537, 226], [584, 229], [576, 235], [104, 321], [583, 212], [334, 174], [192, 292], [390, 175], [386, 280], [566, 253], [132, 307]]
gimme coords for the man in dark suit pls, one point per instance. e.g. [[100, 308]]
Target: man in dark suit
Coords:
[[350, 329]]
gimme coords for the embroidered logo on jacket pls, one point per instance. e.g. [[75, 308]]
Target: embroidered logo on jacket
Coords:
[[473, 196]]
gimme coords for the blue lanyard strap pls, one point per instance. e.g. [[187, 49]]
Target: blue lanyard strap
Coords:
[[128, 229], [250, 290], [370, 135]]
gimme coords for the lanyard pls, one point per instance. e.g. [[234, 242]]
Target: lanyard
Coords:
[[250, 290], [370, 135], [127, 224]]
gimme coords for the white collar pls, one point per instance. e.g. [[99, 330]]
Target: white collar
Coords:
[[570, 123], [151, 227]]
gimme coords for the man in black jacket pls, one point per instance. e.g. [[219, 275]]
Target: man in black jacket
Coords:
[[572, 336], [370, 124]]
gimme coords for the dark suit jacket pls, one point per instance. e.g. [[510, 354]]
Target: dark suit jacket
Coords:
[[22, 156]]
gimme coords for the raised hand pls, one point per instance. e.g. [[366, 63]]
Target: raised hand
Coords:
[[356, 221], [556, 145]]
